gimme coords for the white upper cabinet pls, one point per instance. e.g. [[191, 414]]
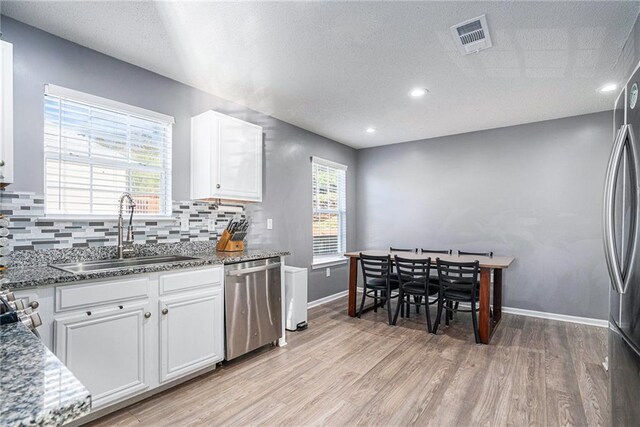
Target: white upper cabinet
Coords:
[[226, 158], [6, 113]]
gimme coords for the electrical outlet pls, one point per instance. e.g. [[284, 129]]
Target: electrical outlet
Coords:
[[184, 223], [212, 224], [269, 224], [328, 271]]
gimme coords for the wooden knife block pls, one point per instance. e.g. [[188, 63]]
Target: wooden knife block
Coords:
[[225, 244]]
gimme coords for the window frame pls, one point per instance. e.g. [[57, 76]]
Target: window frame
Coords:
[[120, 108], [321, 261]]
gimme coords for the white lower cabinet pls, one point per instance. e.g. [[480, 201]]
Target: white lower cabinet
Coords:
[[106, 350], [120, 343], [191, 336]]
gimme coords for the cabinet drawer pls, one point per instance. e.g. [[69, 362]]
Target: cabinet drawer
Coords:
[[190, 279], [99, 293]]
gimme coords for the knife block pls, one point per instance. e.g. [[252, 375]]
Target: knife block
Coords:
[[225, 244]]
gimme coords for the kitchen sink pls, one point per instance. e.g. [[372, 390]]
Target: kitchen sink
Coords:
[[115, 264]]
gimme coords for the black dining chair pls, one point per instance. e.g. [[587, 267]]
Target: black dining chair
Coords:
[[376, 273], [434, 278], [487, 254], [436, 251], [392, 249], [458, 283], [394, 276], [413, 277]]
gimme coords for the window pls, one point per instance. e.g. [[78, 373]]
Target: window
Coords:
[[95, 149], [329, 210]]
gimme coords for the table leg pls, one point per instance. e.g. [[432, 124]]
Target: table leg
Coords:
[[485, 305], [497, 296], [353, 284]]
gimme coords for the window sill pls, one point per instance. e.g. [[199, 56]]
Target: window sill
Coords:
[[106, 218], [319, 263]]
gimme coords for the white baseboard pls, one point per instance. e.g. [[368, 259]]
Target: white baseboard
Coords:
[[517, 311], [327, 299], [554, 316]]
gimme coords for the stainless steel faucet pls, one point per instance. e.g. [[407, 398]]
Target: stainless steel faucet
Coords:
[[125, 247]]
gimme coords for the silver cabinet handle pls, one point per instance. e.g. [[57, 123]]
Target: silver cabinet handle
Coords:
[[611, 255], [165, 310], [147, 315], [242, 271], [34, 304], [217, 185]]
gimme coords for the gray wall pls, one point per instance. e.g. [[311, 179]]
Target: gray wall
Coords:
[[532, 191], [41, 58]]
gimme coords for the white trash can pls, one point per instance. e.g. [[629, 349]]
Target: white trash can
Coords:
[[295, 294]]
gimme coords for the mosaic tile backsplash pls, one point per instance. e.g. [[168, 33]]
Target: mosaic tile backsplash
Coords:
[[29, 229]]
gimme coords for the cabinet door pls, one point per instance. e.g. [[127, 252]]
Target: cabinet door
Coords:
[[191, 333], [106, 350], [6, 112], [239, 160]]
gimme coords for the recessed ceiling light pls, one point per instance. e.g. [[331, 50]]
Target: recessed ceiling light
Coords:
[[417, 92], [608, 87], [371, 130]]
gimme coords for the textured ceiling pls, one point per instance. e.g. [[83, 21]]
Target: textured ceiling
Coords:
[[336, 68]]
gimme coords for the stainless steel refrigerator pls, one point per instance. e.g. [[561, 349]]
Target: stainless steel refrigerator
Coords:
[[622, 251]]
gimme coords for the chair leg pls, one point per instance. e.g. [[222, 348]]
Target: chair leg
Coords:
[[427, 313], [375, 301], [450, 310], [364, 296], [447, 314], [438, 316], [475, 322], [388, 297], [417, 299], [398, 308]]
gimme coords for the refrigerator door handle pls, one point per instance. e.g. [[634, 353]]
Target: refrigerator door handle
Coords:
[[631, 245], [633, 185], [611, 256]]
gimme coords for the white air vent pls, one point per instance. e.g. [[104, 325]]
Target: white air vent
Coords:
[[472, 36]]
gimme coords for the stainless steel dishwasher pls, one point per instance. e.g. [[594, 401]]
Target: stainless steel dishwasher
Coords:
[[252, 305]]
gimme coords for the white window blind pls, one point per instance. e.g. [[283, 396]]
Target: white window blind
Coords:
[[95, 149], [329, 209]]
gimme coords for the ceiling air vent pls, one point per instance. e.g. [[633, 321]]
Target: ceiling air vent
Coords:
[[472, 36]]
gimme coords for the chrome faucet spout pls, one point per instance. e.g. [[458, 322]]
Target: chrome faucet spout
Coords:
[[125, 246]]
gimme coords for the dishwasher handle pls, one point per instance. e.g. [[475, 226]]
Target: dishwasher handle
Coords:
[[244, 271]]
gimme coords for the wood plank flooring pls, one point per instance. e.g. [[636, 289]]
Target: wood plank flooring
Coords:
[[349, 371]]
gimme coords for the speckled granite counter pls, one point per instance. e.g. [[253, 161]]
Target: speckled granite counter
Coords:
[[35, 387], [31, 269]]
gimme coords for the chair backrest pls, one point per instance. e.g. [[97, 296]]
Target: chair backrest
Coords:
[[436, 251], [375, 267], [413, 270], [392, 249], [460, 275], [488, 254]]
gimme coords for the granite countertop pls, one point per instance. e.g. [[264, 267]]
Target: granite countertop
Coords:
[[33, 270], [35, 387]]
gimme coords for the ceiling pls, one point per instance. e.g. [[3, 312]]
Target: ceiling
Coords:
[[337, 68]]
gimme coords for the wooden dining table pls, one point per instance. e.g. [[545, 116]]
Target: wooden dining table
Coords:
[[488, 320]]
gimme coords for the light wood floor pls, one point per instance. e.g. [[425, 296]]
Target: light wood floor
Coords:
[[348, 371]]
